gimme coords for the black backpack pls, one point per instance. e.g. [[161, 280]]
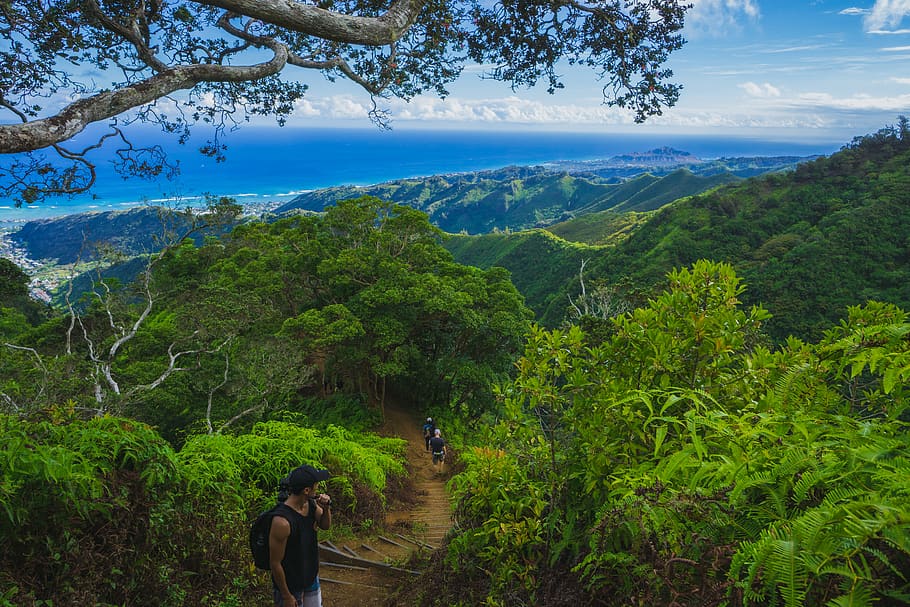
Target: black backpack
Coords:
[[262, 527], [259, 537]]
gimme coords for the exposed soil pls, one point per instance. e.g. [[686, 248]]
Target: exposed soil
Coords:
[[418, 521]]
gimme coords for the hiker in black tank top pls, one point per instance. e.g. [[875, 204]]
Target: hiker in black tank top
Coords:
[[294, 543]]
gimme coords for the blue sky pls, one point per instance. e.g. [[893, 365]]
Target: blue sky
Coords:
[[791, 69]]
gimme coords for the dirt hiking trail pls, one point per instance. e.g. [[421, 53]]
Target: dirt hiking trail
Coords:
[[349, 581]]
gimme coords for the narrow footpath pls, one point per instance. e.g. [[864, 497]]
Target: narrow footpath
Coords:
[[348, 580]]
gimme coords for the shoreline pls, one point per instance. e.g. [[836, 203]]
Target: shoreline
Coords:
[[286, 164], [10, 223]]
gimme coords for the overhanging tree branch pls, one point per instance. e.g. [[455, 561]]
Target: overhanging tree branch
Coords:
[[73, 119], [391, 48], [329, 25]]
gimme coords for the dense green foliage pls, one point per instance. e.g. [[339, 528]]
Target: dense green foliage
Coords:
[[681, 462], [522, 253], [104, 512], [351, 304], [671, 453]]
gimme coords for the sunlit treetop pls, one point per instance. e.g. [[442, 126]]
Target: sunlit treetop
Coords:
[[65, 64]]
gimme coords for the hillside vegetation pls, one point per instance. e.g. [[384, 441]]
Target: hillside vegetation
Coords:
[[601, 228], [808, 243], [679, 462]]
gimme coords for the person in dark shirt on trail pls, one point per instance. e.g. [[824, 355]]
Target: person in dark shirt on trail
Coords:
[[293, 541], [428, 431], [438, 446]]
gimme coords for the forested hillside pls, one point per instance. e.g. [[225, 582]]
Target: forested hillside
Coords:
[[90, 236], [309, 320], [808, 243], [515, 198]]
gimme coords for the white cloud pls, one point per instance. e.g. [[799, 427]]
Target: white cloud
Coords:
[[901, 80], [765, 90], [505, 110], [763, 106], [795, 49], [853, 10], [886, 14], [305, 109], [717, 17], [341, 107], [896, 49], [867, 103]]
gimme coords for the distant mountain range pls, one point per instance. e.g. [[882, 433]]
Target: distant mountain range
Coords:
[[518, 198], [809, 238]]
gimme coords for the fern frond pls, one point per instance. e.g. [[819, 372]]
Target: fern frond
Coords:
[[787, 570], [792, 385], [858, 596]]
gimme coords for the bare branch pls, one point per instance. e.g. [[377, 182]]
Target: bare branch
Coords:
[[172, 367], [11, 404], [32, 350], [243, 414], [208, 408], [41, 365]]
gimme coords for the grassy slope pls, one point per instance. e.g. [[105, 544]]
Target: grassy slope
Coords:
[[537, 260], [601, 228]]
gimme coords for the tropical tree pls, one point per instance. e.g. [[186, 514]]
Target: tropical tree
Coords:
[[390, 307], [229, 59], [14, 295]]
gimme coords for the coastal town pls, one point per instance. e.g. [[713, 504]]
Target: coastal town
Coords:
[[47, 275], [41, 285]]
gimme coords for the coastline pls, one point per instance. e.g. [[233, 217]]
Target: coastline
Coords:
[[12, 218], [275, 165]]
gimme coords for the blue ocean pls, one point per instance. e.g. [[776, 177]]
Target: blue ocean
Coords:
[[274, 165]]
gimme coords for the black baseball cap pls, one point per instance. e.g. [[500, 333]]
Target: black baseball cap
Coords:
[[306, 476]]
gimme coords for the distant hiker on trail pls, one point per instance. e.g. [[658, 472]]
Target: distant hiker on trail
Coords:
[[438, 445], [429, 429], [293, 542]]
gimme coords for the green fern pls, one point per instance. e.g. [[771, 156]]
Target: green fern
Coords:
[[857, 596]]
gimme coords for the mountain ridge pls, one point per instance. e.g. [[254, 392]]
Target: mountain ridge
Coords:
[[517, 198], [808, 243]]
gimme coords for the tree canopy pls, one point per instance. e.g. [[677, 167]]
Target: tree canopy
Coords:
[[346, 306], [67, 64]]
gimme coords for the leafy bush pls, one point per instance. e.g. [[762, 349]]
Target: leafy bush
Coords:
[[104, 511], [682, 462]]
